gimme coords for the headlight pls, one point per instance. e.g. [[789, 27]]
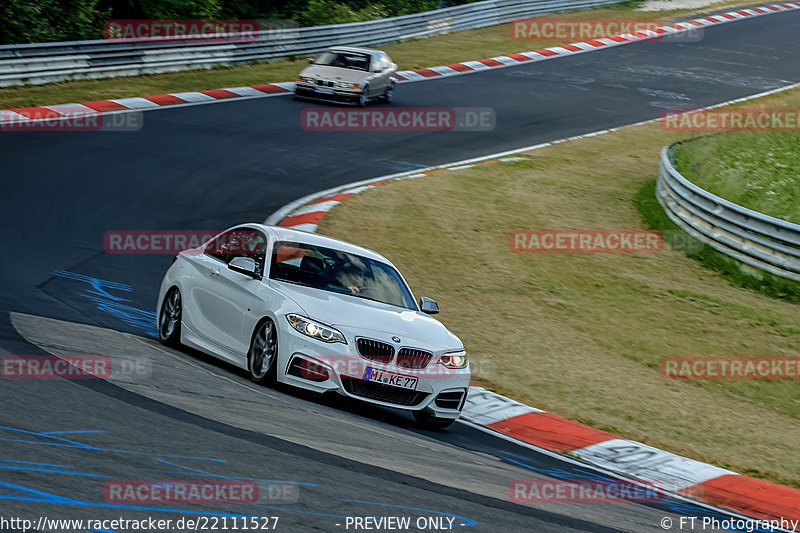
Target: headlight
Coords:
[[315, 329], [454, 359], [346, 85], [305, 79]]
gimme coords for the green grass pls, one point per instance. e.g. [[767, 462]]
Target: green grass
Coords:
[[755, 170], [581, 335], [419, 53]]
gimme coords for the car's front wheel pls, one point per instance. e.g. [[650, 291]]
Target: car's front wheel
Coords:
[[263, 353], [363, 98], [425, 420], [169, 320], [388, 95]]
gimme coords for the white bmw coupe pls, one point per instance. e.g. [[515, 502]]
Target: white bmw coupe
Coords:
[[317, 313]]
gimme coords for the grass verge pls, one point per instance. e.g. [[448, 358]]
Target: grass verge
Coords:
[[754, 170], [418, 53], [582, 335]]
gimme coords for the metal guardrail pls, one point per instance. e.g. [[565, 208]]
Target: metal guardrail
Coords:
[[35, 64], [751, 237]]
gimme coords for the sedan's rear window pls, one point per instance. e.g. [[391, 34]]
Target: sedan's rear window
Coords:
[[337, 271]]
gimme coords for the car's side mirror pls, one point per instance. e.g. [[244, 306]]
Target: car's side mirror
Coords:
[[394, 66], [244, 265], [311, 60], [428, 306]]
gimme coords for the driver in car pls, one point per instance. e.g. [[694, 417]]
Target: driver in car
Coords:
[[351, 278]]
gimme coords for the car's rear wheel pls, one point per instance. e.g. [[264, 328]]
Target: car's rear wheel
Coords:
[[363, 98], [388, 95], [263, 353], [425, 420], [169, 320]]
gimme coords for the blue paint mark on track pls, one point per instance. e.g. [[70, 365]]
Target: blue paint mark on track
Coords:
[[114, 305]]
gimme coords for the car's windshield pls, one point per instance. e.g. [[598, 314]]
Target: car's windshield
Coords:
[[351, 60], [337, 271]]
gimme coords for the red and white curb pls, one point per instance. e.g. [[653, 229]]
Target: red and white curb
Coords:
[[146, 103], [708, 483], [22, 115]]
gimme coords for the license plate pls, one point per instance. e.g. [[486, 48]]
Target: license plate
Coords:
[[389, 378], [323, 90]]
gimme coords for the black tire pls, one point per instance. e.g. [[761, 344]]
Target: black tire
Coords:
[[169, 319], [363, 98], [425, 420], [262, 355], [388, 95]]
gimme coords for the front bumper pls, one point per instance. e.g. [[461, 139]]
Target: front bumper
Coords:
[[337, 95], [337, 367]]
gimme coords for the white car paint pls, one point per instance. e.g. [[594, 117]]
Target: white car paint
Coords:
[[221, 309]]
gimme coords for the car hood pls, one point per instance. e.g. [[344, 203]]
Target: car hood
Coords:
[[335, 73], [358, 316]]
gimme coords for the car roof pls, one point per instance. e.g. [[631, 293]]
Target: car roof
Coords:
[[354, 49], [288, 234]]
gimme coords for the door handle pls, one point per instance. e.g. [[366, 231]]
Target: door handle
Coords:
[[214, 273]]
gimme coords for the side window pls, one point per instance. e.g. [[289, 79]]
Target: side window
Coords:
[[243, 242], [217, 249], [376, 62]]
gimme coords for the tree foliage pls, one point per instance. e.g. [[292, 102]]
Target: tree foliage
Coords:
[[35, 21]]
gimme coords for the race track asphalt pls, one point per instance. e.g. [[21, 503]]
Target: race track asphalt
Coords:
[[211, 166]]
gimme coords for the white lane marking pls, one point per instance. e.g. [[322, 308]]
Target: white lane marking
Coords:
[[645, 462], [314, 208], [11, 117], [194, 97], [585, 46], [411, 75], [72, 109], [475, 66], [309, 228], [135, 103], [244, 91], [486, 407], [288, 85], [505, 60], [444, 71]]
